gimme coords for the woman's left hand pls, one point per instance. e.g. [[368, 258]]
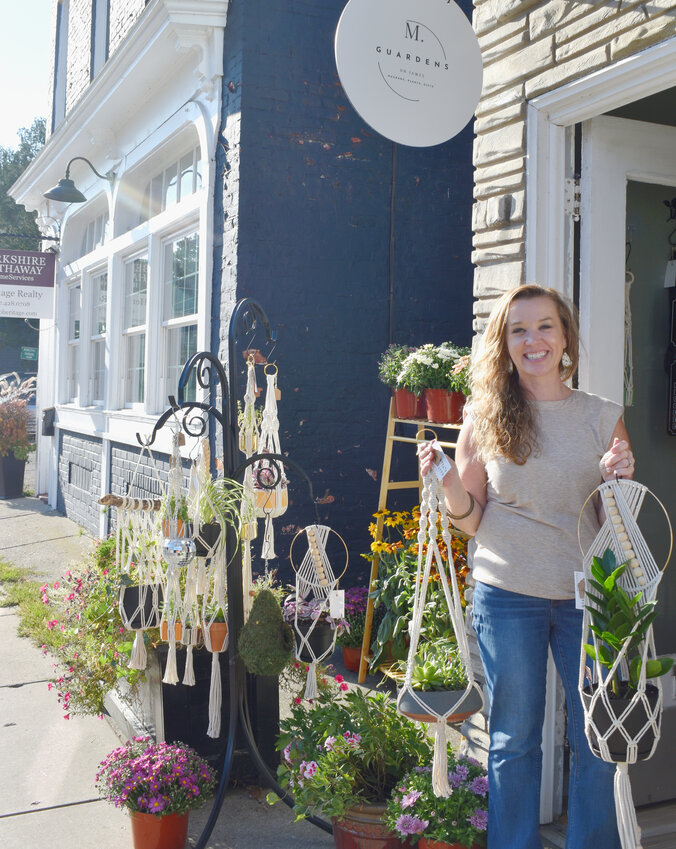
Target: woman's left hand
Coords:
[[617, 462]]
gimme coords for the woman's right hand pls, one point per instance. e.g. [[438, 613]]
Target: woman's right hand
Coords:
[[427, 460]]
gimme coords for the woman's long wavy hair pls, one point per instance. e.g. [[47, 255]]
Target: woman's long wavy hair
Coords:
[[504, 420]]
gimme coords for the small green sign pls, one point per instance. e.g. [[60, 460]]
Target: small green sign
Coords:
[[29, 353]]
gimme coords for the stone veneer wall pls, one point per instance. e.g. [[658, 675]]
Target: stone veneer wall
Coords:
[[531, 47]]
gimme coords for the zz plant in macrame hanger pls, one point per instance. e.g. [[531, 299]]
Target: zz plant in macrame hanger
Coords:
[[438, 707], [619, 680], [316, 591]]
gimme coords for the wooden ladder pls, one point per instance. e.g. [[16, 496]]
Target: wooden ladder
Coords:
[[386, 486]]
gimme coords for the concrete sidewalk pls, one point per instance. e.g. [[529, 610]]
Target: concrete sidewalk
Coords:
[[47, 794]]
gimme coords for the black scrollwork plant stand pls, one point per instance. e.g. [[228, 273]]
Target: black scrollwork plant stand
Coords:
[[195, 417]]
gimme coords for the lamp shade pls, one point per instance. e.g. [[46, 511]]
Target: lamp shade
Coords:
[[65, 192]]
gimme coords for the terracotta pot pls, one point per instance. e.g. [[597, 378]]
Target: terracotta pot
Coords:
[[320, 639], [443, 406], [439, 701], [176, 528], [363, 828], [11, 476], [207, 538], [149, 831], [405, 404], [164, 631], [428, 843], [352, 657], [633, 723], [218, 631], [137, 607]]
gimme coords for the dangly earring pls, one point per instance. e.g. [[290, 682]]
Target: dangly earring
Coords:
[[510, 367], [566, 361]]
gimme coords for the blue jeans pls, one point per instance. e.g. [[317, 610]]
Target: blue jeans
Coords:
[[514, 632]]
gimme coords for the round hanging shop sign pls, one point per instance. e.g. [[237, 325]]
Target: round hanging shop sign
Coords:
[[411, 68]]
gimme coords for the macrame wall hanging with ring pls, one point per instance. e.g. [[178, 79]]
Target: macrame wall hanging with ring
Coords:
[[622, 719], [316, 592], [438, 707], [270, 483]]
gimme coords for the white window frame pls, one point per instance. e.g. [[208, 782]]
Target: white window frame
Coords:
[[97, 338], [170, 325], [132, 331], [73, 343]]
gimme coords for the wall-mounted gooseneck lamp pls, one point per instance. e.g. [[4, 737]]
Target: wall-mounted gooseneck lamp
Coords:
[[66, 191]]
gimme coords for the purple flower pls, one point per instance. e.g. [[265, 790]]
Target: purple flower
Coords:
[[480, 785], [410, 798], [156, 804], [329, 743], [479, 819], [407, 824]]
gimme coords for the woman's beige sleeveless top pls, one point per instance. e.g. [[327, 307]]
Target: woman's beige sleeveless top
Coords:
[[527, 539]]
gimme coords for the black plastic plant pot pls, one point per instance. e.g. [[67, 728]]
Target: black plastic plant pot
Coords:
[[138, 604], [207, 538], [320, 639], [11, 476], [437, 702], [636, 720]]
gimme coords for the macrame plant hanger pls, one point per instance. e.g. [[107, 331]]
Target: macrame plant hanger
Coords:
[[139, 562], [272, 497], [248, 444], [315, 583], [459, 704], [632, 734]]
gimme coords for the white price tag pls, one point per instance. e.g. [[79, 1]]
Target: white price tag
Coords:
[[578, 577], [442, 464], [337, 604]]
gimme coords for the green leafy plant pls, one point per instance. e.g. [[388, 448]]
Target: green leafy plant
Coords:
[[175, 508], [219, 501], [352, 750], [85, 634], [461, 819], [390, 363], [620, 623]]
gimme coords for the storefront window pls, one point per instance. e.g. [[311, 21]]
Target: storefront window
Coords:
[[97, 364], [73, 356], [134, 342], [181, 267]]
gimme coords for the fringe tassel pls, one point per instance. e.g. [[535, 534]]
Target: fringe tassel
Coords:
[[630, 833], [201, 578], [247, 579], [440, 762], [189, 672], [268, 552], [138, 657], [311, 690], [214, 729], [171, 673]]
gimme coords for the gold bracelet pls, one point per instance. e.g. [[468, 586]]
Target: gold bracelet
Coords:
[[464, 515]]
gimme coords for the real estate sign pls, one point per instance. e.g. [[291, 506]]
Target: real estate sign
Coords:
[[27, 284]]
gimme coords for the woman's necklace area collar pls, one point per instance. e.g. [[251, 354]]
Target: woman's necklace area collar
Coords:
[[569, 393]]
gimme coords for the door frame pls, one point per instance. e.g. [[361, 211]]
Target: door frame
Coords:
[[551, 119]]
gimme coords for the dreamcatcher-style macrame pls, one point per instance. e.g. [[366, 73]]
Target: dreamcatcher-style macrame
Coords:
[[617, 734], [315, 584], [272, 498], [460, 703]]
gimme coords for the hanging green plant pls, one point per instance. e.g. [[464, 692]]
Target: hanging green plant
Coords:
[[266, 643]]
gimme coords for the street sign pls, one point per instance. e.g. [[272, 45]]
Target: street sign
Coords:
[[29, 353]]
